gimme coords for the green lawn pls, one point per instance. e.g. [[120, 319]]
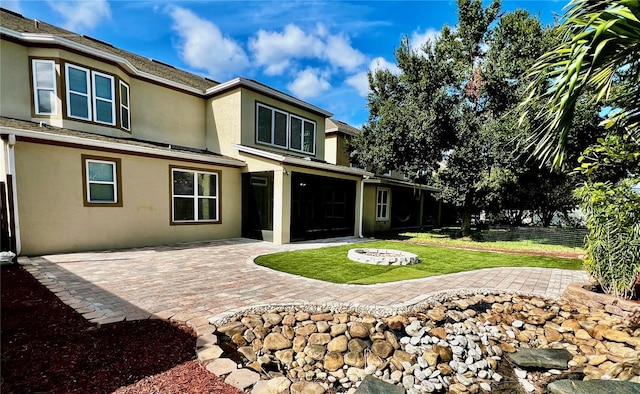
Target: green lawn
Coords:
[[524, 245], [331, 264]]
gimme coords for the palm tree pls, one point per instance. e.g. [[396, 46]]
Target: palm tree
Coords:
[[599, 58]]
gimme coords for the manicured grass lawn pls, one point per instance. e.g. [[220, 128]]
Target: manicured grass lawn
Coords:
[[331, 264], [529, 245]]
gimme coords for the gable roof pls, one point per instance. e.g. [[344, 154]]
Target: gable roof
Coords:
[[337, 126]]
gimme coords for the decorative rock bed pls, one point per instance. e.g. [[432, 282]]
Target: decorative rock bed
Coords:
[[382, 256], [456, 344]]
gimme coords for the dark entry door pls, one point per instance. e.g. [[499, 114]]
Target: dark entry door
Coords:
[[257, 205], [321, 207]]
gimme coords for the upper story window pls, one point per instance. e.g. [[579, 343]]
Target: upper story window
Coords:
[[125, 117], [104, 101], [303, 134], [78, 100], [44, 87], [92, 96], [279, 128]]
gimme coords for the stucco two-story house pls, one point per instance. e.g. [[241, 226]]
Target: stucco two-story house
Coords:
[[102, 149], [391, 201]]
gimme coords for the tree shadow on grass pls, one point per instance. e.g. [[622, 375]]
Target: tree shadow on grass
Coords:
[[48, 347]]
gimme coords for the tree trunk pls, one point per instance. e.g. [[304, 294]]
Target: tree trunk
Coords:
[[465, 226]]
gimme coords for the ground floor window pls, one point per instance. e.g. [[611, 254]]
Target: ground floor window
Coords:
[[382, 206], [101, 181], [195, 196]]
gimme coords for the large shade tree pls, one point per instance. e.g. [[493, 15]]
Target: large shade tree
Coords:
[[443, 113], [598, 58]]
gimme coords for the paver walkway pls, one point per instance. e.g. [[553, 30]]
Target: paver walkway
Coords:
[[193, 282]]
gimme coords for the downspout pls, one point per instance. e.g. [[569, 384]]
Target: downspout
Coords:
[[12, 171], [360, 230]]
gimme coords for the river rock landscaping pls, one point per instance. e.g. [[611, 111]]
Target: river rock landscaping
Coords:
[[456, 343]]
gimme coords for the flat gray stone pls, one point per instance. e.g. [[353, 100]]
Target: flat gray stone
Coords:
[[242, 378], [221, 366], [541, 358], [593, 386], [372, 385]]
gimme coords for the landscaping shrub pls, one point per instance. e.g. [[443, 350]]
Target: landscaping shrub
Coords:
[[613, 235]]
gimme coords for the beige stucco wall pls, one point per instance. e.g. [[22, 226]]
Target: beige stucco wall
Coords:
[[167, 115], [223, 123], [370, 224], [331, 148], [15, 96], [248, 123], [54, 219]]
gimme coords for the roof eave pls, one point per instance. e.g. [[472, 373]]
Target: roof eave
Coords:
[[73, 140], [247, 83], [302, 162]]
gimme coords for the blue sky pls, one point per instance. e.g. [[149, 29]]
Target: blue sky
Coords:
[[319, 51]]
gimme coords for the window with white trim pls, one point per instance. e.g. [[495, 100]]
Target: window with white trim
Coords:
[[303, 134], [78, 92], [91, 96], [101, 181], [104, 102], [44, 87], [282, 129], [125, 113], [382, 205], [272, 126], [195, 196]]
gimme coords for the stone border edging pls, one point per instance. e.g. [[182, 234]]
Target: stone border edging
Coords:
[[429, 300], [597, 302]]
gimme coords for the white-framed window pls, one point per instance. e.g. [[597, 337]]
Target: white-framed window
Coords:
[[45, 92], [284, 130], [125, 112], [302, 134], [78, 92], [382, 205], [272, 126], [104, 103], [195, 196], [101, 176], [388, 173]]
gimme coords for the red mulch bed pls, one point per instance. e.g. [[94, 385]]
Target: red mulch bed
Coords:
[[47, 347]]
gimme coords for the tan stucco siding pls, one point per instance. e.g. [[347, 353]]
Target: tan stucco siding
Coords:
[[167, 115], [15, 94], [54, 219], [331, 148], [249, 101], [370, 223], [223, 123]]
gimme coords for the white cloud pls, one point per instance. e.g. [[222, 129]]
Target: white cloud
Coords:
[[309, 83], [360, 81], [81, 15], [418, 40], [341, 54], [203, 46], [277, 51]]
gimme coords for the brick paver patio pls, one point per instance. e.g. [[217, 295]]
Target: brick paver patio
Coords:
[[194, 282]]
